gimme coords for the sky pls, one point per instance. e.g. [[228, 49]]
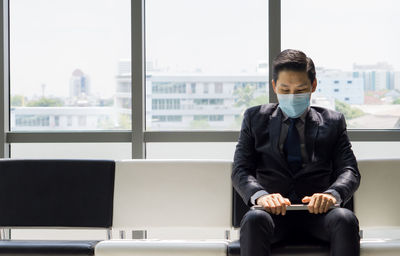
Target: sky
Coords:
[[49, 39], [338, 33]]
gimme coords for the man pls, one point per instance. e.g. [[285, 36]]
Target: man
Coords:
[[293, 153]]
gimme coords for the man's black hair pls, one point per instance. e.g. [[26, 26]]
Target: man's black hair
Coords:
[[293, 60]]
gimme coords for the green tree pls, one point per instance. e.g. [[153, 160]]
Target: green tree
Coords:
[[17, 101], [245, 99], [199, 124], [397, 101], [105, 124], [348, 111], [244, 95], [106, 102], [124, 121], [260, 100], [46, 102]]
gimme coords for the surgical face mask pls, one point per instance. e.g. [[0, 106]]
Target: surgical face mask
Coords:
[[293, 105]]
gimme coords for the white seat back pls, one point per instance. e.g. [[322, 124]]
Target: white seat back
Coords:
[[377, 201], [172, 193]]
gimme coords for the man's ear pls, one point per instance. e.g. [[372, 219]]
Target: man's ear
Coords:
[[273, 85], [314, 85]]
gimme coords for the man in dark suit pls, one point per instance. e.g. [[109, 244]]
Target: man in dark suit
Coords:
[[293, 153]]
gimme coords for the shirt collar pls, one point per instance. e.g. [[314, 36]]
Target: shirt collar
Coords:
[[302, 117]]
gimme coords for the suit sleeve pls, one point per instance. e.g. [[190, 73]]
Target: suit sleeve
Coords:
[[244, 168], [346, 174]]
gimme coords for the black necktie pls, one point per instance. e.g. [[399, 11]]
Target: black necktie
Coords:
[[292, 147]]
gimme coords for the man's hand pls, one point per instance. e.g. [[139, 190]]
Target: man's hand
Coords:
[[273, 203], [319, 203]]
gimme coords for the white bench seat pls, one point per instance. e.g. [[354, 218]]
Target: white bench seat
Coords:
[[162, 247], [380, 247], [156, 195]]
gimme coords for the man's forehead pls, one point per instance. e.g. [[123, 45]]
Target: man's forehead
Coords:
[[297, 85], [289, 77]]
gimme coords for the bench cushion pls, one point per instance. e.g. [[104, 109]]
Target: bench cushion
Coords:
[[48, 248], [162, 248], [178, 189]]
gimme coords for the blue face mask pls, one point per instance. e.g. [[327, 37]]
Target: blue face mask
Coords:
[[293, 105]]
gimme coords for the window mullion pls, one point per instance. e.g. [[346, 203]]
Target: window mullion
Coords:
[[274, 36]]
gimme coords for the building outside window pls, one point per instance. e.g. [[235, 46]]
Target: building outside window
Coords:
[[218, 88], [206, 88]]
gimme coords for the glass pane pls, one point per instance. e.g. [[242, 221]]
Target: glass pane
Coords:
[[70, 64], [226, 150], [355, 50], [206, 62], [189, 150], [376, 150], [113, 151]]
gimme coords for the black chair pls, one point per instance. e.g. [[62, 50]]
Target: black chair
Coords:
[[55, 194], [307, 247]]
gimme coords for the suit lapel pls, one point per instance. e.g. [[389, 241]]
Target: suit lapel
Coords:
[[274, 128], [311, 132], [275, 124]]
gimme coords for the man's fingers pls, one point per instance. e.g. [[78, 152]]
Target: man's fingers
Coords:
[[317, 203], [272, 206], [283, 204], [328, 205], [265, 204], [323, 205], [274, 203], [306, 199], [268, 208], [311, 205], [278, 208]]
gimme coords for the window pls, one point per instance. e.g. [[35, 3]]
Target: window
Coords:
[[80, 67], [69, 150], [182, 47], [200, 118], [226, 150], [168, 88], [208, 101], [166, 104], [218, 88], [216, 101], [82, 120], [217, 118], [193, 87], [57, 120], [124, 87], [366, 86], [213, 118], [68, 56], [206, 88], [167, 119], [198, 150], [32, 121], [69, 120]]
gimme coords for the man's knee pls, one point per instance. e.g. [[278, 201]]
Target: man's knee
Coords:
[[258, 218], [340, 217]]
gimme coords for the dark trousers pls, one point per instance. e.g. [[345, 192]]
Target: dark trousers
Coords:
[[260, 229]]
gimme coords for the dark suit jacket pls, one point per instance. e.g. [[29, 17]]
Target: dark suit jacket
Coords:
[[259, 165]]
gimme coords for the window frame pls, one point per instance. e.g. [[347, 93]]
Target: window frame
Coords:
[[138, 135]]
